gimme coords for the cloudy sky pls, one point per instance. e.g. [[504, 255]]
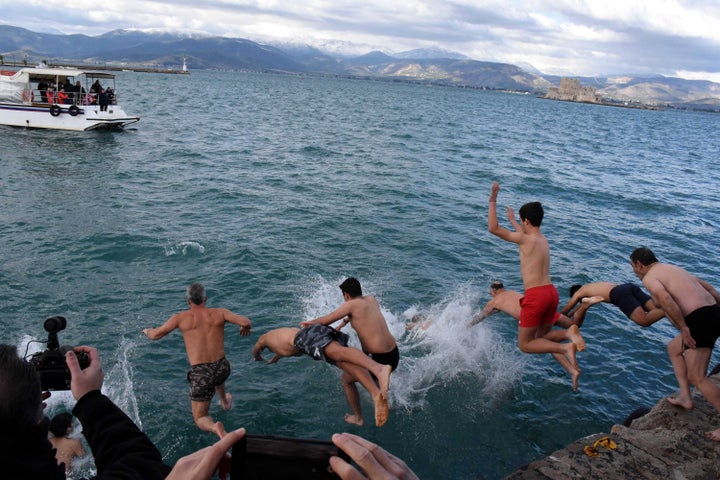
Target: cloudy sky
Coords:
[[565, 37]]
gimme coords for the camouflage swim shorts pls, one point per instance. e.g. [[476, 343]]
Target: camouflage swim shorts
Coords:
[[204, 377]]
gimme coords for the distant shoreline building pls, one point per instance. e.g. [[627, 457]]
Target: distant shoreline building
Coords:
[[570, 90]]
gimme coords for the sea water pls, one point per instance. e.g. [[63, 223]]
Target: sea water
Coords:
[[272, 189]]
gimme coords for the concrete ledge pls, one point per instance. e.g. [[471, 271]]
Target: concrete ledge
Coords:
[[668, 443]]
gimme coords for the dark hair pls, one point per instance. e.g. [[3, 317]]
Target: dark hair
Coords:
[[574, 289], [497, 285], [534, 213], [352, 287], [196, 293], [60, 423], [643, 255], [20, 394]]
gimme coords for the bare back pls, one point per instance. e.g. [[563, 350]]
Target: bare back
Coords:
[[684, 288], [203, 330], [280, 341], [534, 259], [508, 301], [596, 289], [369, 323]]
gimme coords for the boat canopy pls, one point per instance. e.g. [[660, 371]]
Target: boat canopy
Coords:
[[25, 74]]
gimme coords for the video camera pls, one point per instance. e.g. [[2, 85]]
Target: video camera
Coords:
[[50, 364], [260, 457]]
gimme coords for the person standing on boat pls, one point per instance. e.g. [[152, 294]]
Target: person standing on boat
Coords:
[[42, 88], [203, 330]]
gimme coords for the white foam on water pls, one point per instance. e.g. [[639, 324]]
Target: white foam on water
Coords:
[[182, 248]]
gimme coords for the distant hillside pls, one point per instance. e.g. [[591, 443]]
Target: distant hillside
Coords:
[[167, 50]]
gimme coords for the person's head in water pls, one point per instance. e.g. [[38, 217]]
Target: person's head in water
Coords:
[[496, 286], [352, 287], [533, 212], [196, 294], [574, 289], [60, 424]]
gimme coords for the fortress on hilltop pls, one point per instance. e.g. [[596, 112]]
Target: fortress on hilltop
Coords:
[[570, 90]]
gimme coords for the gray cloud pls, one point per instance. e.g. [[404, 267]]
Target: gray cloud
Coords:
[[590, 37]]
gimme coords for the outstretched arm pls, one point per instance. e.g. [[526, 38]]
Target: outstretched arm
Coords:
[[242, 321], [486, 312], [162, 330], [343, 311]]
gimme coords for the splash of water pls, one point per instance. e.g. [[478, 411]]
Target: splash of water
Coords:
[[440, 351], [182, 248]]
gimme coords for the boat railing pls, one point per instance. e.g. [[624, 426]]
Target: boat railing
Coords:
[[51, 97]]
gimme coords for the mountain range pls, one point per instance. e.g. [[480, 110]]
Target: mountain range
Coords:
[[432, 66]]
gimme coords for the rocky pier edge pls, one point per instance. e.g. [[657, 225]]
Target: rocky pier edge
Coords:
[[666, 443]]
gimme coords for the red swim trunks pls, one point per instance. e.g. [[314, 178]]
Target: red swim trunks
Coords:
[[539, 306]]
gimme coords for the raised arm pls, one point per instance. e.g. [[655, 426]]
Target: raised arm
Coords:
[[159, 332], [493, 224], [510, 214]]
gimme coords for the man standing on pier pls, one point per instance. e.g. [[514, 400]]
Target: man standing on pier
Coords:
[[692, 306], [203, 331]]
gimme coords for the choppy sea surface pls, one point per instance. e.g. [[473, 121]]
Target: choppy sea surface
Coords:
[[272, 189]]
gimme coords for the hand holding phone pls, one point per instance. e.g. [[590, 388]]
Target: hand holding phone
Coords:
[[259, 457]]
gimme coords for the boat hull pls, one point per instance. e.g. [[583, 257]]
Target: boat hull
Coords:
[[63, 117]]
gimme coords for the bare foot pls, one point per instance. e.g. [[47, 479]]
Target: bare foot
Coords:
[[381, 410], [219, 429], [575, 376], [570, 350], [354, 419], [576, 339], [227, 402], [714, 435], [681, 401], [592, 300], [384, 380]]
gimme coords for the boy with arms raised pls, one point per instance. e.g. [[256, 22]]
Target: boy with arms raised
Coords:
[[540, 302]]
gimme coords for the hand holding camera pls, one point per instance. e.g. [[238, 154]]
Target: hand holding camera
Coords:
[[88, 378]]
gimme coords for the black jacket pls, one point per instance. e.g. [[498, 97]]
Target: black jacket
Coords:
[[120, 449]]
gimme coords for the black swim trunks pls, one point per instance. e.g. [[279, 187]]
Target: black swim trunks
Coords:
[[704, 324], [391, 358], [313, 340], [627, 297], [204, 377]]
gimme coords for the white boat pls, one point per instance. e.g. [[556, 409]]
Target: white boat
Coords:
[[27, 99]]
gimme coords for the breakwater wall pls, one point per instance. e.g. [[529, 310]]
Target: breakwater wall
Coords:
[[666, 443]]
